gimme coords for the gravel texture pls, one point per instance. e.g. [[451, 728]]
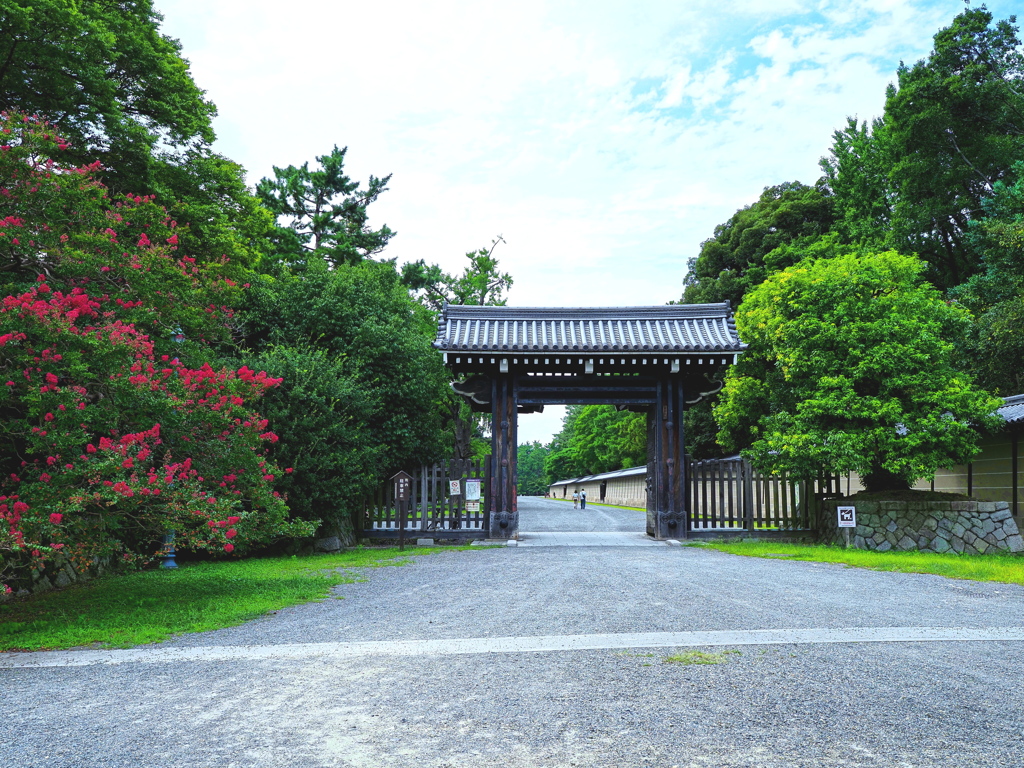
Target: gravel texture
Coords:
[[540, 514], [925, 705]]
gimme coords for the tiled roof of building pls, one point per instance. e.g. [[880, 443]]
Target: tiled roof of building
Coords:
[[1012, 410], [604, 476], [669, 328]]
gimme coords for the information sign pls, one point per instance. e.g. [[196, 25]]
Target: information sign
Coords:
[[847, 517], [403, 484], [472, 490], [454, 487], [472, 506]]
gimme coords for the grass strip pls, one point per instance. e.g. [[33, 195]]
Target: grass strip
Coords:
[[601, 504], [689, 658], [1004, 568], [150, 606]]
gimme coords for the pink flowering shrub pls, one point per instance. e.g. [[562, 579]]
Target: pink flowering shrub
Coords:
[[111, 433]]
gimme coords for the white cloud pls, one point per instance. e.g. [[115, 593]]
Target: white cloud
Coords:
[[604, 140]]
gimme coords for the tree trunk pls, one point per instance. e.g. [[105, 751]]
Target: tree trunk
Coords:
[[879, 479]]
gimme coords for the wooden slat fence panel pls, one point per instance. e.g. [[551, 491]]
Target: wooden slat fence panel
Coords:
[[432, 510], [730, 495]]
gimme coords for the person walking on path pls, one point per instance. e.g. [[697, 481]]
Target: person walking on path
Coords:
[[583, 499], [575, 500]]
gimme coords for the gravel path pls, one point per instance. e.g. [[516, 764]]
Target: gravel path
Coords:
[[918, 704], [540, 514]]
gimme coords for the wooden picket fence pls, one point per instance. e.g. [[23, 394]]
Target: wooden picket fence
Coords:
[[729, 495], [432, 511]]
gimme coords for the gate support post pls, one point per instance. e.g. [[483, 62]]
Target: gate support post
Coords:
[[748, 496], [666, 468], [504, 518]]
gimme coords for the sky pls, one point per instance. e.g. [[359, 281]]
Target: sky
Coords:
[[602, 140]]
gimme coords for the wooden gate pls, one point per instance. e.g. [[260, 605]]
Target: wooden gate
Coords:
[[730, 496], [433, 512]]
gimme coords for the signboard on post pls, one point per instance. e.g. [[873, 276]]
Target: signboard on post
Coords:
[[403, 485], [847, 517], [472, 490], [454, 487], [403, 492]]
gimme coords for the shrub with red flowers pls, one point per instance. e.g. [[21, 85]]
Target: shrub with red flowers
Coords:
[[112, 430]]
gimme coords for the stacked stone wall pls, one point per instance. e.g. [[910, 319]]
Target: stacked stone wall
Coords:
[[964, 527], [56, 574]]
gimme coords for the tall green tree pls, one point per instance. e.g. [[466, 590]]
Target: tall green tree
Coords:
[[750, 245], [772, 233], [363, 392], [325, 211], [121, 94], [105, 74], [953, 127], [996, 294], [481, 283], [956, 122], [856, 173], [850, 368]]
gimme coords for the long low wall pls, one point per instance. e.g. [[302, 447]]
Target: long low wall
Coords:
[[620, 492], [964, 527]]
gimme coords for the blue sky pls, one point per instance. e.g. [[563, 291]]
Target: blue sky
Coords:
[[603, 140]]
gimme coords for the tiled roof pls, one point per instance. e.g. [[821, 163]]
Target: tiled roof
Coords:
[[631, 472], [669, 328], [1013, 409]]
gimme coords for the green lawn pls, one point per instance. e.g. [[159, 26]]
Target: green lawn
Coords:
[[1003, 568], [149, 606]]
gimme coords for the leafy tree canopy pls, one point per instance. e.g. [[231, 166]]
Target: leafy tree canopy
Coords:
[[530, 469], [953, 127], [103, 72], [121, 94], [850, 368], [361, 317], [746, 249]]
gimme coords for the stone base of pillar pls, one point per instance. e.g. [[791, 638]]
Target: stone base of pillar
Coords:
[[504, 525], [666, 525]]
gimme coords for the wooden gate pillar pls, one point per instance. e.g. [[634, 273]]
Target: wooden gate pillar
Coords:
[[504, 513], [666, 467]]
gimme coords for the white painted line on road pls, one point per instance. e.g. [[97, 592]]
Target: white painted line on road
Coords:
[[587, 539], [482, 645]]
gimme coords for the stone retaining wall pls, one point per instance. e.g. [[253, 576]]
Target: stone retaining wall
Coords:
[[964, 527], [58, 573]]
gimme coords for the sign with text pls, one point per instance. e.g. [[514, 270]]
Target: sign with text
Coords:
[[472, 490], [403, 485], [847, 517], [454, 487], [472, 506]]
